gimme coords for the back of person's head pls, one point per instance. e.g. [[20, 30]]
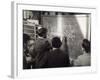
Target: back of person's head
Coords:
[[42, 32], [56, 42], [86, 45], [26, 38]]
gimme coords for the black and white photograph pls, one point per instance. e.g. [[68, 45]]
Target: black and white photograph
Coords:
[[56, 39], [50, 40]]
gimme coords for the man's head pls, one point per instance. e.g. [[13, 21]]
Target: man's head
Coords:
[[42, 32], [56, 42], [30, 45], [86, 45]]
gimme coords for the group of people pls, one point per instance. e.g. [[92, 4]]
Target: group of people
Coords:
[[44, 53]]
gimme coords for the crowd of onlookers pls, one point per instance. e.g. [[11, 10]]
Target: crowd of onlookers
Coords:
[[43, 53]]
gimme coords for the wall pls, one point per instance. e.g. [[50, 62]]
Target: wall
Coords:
[[5, 41], [71, 26]]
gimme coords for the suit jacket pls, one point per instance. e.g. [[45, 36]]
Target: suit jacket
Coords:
[[58, 58], [41, 46]]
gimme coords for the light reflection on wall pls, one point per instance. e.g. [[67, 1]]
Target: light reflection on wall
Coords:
[[59, 31]]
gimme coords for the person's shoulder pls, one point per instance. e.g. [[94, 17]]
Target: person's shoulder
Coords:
[[50, 54], [51, 51], [80, 56], [38, 40], [61, 51], [83, 55]]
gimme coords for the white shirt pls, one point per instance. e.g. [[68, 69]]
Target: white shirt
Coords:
[[83, 60]]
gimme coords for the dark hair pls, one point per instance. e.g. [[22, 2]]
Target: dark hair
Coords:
[[86, 45], [56, 42], [42, 32], [26, 37]]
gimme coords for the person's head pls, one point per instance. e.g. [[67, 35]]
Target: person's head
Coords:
[[42, 32], [30, 45], [86, 45], [56, 42]]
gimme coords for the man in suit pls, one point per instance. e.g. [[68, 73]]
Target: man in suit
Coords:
[[57, 57], [41, 46]]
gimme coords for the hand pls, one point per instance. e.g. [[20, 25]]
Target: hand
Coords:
[[28, 59]]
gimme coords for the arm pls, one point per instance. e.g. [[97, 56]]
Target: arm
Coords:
[[77, 62]]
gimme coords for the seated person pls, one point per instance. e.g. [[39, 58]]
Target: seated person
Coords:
[[57, 57], [85, 58]]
